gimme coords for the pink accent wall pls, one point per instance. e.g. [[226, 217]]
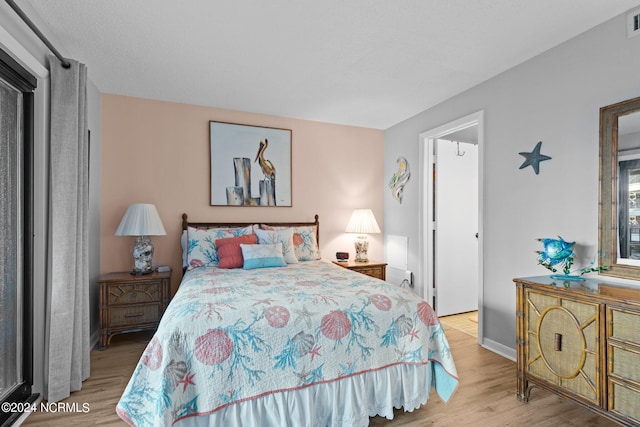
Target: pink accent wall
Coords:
[[158, 152]]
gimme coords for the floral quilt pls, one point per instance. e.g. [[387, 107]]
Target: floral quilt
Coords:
[[233, 335]]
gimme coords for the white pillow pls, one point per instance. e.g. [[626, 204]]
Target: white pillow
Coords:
[[304, 240], [283, 236]]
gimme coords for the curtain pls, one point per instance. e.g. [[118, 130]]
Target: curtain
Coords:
[[68, 328]]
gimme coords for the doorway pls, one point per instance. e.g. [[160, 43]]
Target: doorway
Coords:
[[455, 220], [451, 217]]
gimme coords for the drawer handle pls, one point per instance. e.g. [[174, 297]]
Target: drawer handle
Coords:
[[133, 315], [557, 342]]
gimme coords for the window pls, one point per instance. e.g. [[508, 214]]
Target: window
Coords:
[[629, 209], [16, 233]]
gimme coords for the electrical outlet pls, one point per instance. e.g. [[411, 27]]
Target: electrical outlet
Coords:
[[407, 276]]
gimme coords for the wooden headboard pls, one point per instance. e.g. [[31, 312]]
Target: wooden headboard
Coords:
[[207, 225]]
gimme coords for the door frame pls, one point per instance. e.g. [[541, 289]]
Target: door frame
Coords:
[[426, 140]]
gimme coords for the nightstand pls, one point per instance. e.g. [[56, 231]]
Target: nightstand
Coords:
[[130, 303], [371, 268]]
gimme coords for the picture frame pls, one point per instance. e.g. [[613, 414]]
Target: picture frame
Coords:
[[250, 165]]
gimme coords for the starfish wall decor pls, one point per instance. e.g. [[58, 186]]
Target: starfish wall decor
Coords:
[[534, 158]]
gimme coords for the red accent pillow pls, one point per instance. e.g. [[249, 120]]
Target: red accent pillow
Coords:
[[229, 251]]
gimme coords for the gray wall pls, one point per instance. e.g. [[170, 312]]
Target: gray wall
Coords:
[[554, 98], [19, 42]]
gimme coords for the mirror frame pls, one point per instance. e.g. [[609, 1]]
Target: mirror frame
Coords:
[[608, 202]]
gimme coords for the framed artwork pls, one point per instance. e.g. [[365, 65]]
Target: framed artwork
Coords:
[[250, 165]]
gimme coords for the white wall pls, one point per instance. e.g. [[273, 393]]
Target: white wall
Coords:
[[554, 98]]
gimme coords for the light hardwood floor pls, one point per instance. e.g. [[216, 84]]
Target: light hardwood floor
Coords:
[[465, 322], [486, 396]]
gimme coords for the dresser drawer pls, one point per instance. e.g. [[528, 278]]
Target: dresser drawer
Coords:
[[624, 362], [131, 293], [371, 268], [625, 325], [371, 271], [134, 314], [624, 400]]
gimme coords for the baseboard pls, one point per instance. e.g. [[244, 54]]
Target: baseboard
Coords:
[[500, 349]]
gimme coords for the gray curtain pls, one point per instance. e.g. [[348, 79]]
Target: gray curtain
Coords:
[[68, 340]]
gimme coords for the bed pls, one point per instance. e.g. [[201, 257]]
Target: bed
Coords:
[[283, 337]]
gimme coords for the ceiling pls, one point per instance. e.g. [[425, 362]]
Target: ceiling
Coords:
[[369, 63]]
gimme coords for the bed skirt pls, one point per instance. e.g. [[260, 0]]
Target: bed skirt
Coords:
[[343, 403]]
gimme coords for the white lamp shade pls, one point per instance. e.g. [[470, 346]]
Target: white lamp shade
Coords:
[[141, 219], [362, 222]]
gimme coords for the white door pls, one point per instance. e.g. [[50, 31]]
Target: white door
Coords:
[[456, 227]]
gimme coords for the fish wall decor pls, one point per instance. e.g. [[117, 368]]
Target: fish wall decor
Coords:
[[399, 179]]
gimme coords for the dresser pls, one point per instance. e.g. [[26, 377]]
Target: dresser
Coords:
[[580, 340], [131, 303], [370, 268]]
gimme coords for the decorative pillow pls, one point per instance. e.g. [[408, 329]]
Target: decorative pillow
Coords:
[[260, 256], [201, 247], [285, 237], [304, 241], [229, 252]]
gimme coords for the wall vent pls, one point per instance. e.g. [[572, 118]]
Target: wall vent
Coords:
[[633, 23]]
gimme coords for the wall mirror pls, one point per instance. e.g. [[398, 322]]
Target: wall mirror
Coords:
[[619, 233]]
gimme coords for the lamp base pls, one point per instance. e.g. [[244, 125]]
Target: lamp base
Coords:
[[140, 272], [142, 256], [362, 246]]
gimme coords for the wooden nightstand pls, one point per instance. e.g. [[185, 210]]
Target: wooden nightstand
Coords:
[[371, 268], [131, 303]]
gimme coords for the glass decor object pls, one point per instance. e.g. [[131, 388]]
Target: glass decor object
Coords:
[[558, 254], [141, 220], [362, 222]]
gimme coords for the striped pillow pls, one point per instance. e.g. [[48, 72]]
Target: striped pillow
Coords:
[[261, 256]]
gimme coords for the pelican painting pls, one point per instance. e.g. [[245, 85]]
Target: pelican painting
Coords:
[[268, 169], [244, 159]]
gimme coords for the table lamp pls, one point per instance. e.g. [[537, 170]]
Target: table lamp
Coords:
[[362, 222], [141, 220]]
